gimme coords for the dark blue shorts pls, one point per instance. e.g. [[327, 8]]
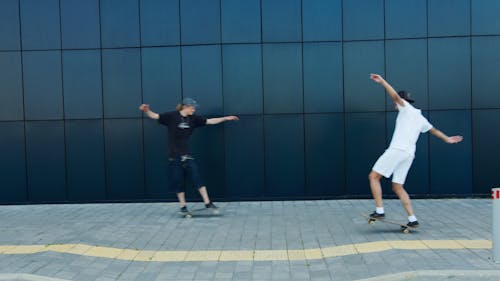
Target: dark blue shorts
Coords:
[[182, 169]]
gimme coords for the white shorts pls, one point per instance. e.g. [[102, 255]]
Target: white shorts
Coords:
[[394, 162]]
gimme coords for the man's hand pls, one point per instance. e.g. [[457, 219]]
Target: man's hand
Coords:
[[144, 107], [390, 90], [213, 121], [231, 118], [377, 78], [445, 138], [454, 139]]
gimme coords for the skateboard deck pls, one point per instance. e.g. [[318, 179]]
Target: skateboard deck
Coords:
[[403, 227], [200, 212]]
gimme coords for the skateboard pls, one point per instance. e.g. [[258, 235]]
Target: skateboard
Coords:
[[200, 212], [403, 227]]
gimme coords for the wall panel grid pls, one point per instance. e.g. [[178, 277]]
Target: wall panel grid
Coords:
[[73, 73]]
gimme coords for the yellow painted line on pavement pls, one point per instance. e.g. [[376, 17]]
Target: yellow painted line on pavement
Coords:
[[270, 255], [128, 255], [79, 249], [339, 251], [110, 253], [144, 255], [443, 244], [170, 256], [313, 254], [22, 249], [409, 245], [203, 255], [245, 255], [236, 256], [372, 247], [476, 244], [60, 248], [296, 255]]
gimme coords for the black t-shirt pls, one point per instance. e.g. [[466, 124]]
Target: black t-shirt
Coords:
[[179, 130]]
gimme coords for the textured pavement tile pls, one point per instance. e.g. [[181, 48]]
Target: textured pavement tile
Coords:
[[293, 240]]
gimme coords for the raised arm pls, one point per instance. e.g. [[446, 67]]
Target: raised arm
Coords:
[[390, 90], [145, 108], [213, 121], [445, 138]]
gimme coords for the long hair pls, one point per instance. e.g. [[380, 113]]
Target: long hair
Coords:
[[179, 107]]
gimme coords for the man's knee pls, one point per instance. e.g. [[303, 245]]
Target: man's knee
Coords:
[[374, 176], [397, 187]]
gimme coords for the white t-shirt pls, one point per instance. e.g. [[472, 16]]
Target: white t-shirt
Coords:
[[409, 124]]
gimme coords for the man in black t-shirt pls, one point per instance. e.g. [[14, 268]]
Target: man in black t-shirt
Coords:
[[180, 124]]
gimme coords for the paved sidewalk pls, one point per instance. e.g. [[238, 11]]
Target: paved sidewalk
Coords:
[[292, 240]]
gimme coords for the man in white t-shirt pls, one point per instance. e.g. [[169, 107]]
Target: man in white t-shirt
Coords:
[[397, 159]]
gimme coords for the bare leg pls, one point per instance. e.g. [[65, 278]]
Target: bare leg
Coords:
[[375, 187], [403, 197], [204, 194], [182, 199]]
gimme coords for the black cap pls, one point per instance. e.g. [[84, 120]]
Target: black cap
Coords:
[[406, 96], [190, 102]]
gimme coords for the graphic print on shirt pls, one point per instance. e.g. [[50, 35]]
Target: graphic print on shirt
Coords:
[[184, 124], [180, 129]]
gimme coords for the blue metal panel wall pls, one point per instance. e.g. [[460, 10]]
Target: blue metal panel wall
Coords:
[[9, 25], [159, 21], [73, 73], [11, 99], [80, 24]]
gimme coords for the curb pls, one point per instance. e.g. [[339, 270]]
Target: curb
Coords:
[[410, 275], [27, 277]]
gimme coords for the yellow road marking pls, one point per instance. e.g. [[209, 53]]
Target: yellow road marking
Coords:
[[22, 249], [476, 244], [339, 251], [145, 256], [296, 255], [408, 245], [170, 256], [203, 255], [236, 256], [128, 255], [372, 247], [440, 244], [79, 249], [245, 255], [104, 252], [270, 255], [313, 254]]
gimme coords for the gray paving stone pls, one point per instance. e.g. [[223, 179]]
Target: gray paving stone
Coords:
[[223, 275], [150, 276], [242, 275], [245, 226], [85, 277], [63, 274], [262, 275], [104, 279]]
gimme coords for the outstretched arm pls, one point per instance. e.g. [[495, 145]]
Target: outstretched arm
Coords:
[[390, 90], [213, 121], [445, 138], [145, 108]]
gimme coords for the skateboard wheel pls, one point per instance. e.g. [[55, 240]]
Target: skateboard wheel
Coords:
[[370, 221], [216, 212], [405, 230], [188, 216]]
